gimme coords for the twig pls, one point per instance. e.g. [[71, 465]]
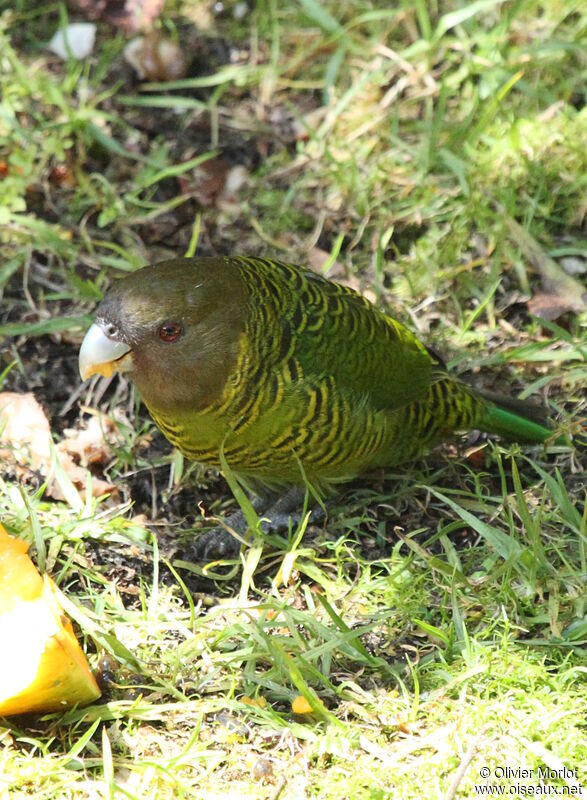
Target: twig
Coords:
[[278, 789], [464, 765]]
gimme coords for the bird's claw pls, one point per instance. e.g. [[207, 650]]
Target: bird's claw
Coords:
[[214, 545], [224, 542]]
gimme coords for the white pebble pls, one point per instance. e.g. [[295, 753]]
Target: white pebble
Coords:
[[76, 40]]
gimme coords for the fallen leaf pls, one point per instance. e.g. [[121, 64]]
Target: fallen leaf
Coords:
[[130, 16], [155, 57], [549, 305], [62, 175], [206, 182], [236, 177], [561, 292], [317, 258], [89, 445], [25, 435], [25, 440]]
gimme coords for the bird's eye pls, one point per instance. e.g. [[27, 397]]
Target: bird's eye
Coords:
[[170, 331]]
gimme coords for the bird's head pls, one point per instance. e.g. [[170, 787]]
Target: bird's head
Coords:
[[174, 327]]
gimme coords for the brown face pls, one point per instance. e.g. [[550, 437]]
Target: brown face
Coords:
[[174, 327]]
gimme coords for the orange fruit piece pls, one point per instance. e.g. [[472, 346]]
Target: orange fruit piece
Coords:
[[42, 667]]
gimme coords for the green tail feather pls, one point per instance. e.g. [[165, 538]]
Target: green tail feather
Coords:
[[515, 419], [512, 426]]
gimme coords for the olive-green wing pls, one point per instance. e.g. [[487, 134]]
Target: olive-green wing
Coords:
[[325, 329]]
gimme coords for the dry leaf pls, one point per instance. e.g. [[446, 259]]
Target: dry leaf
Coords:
[[236, 177], [317, 258], [155, 57], [549, 305], [206, 182], [89, 445], [128, 15], [25, 435], [25, 440], [562, 292]]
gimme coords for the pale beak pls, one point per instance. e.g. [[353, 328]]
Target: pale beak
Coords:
[[99, 354]]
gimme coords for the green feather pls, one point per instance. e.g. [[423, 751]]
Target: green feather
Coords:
[[290, 374], [515, 421]]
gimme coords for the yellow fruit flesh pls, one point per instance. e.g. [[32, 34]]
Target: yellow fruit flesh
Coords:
[[42, 667]]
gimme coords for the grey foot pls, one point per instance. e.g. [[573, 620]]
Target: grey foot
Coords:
[[219, 543]]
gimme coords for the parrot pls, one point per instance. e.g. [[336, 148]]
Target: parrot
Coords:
[[288, 376]]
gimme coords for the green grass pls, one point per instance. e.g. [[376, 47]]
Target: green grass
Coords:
[[438, 618]]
